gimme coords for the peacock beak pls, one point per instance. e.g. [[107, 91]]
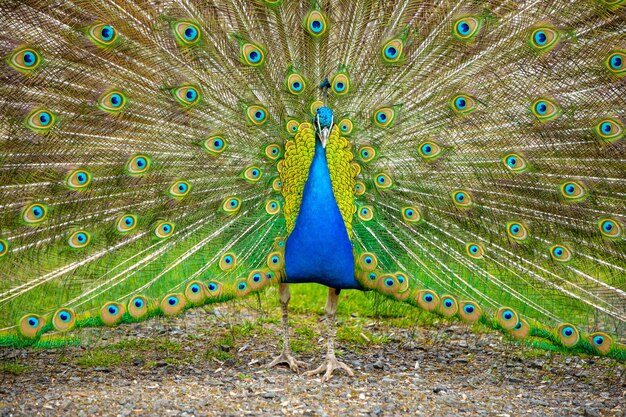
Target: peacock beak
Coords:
[[324, 136]]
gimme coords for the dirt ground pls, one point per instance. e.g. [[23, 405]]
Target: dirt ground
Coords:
[[208, 362]]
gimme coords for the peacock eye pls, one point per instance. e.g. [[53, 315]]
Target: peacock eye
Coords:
[[227, 261], [252, 174], [474, 250], [359, 188], [383, 181], [187, 95], [514, 162], [517, 231], [316, 23], [272, 207], [292, 127], [545, 109], [429, 150], [214, 145], [257, 114], [187, 33], [392, 50], [384, 117], [34, 213], [40, 120], [467, 27], [78, 179], [345, 125], [112, 102], [63, 319], [295, 84], [463, 104], [231, 205], [179, 189], [138, 164], [273, 151], [411, 215], [252, 54], [24, 60], [102, 34], [544, 38], [462, 199], [615, 62], [163, 229], [610, 228], [79, 239], [609, 130], [4, 247], [340, 84], [367, 153], [126, 223], [560, 253], [366, 213], [573, 190]]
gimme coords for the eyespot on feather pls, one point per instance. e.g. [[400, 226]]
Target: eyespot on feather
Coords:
[[78, 179], [30, 325], [462, 199], [573, 190], [507, 318], [475, 250], [469, 311], [427, 300], [163, 229], [466, 28], [138, 165], [610, 130], [544, 38], [126, 223], [411, 215], [179, 189], [172, 304], [610, 228], [568, 334], [111, 313], [545, 109], [4, 248], [64, 319], [41, 121], [345, 126], [34, 213], [257, 114], [252, 54], [429, 150], [384, 117], [514, 162], [102, 34], [463, 104], [196, 292], [187, 95], [112, 101], [340, 84], [187, 33], [316, 24], [24, 59], [365, 213], [601, 341], [295, 83], [228, 261], [79, 239], [392, 50], [138, 306], [231, 205], [214, 145], [448, 306], [517, 230], [521, 329], [560, 253]]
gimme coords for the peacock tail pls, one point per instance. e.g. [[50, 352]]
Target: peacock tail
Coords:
[[154, 157]]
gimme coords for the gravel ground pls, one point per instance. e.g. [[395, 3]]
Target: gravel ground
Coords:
[[209, 362]]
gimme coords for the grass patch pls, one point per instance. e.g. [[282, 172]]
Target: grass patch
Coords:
[[14, 368], [101, 358]]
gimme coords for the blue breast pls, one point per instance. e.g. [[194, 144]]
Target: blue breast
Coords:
[[319, 249]]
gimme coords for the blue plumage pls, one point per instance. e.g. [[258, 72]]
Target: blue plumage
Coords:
[[319, 249]]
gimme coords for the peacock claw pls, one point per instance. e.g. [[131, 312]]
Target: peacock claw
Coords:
[[330, 365], [286, 357]]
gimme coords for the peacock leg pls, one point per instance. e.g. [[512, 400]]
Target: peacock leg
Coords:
[[331, 363], [286, 356]]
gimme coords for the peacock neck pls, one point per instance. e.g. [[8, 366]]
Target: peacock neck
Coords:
[[319, 249]]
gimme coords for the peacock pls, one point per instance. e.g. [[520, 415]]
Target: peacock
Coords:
[[464, 157]]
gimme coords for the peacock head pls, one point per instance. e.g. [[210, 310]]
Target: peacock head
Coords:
[[323, 123]]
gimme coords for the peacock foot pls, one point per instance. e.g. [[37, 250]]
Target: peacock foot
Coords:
[[328, 367], [286, 357]]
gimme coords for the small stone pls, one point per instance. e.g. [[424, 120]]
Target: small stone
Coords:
[[440, 389], [269, 394], [592, 412]]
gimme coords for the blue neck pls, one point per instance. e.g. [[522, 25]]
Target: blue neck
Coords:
[[319, 249]]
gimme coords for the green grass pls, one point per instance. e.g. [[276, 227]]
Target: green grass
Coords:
[[14, 368], [100, 358]]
